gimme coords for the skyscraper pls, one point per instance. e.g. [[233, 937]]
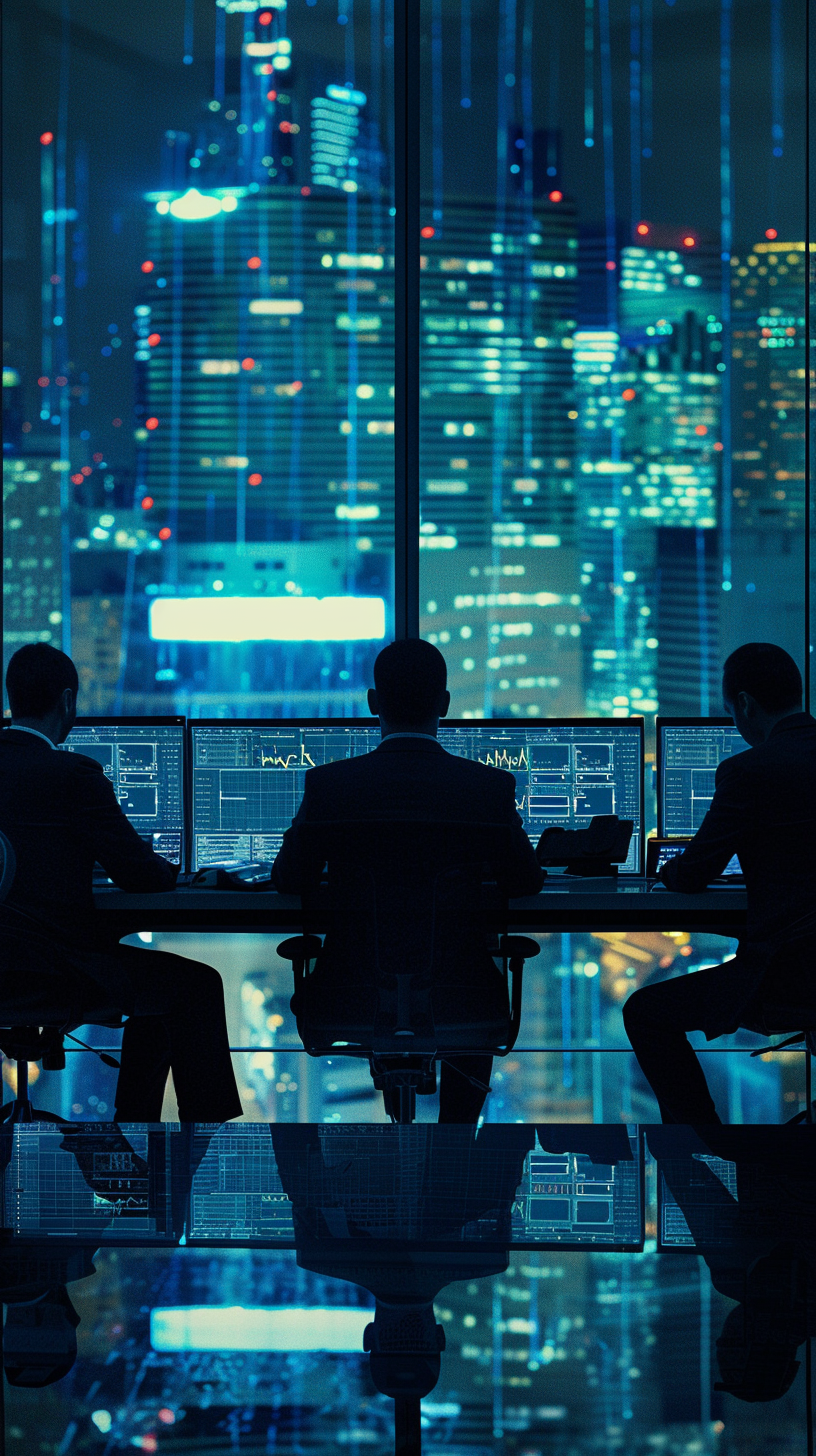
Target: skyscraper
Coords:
[[498, 566]]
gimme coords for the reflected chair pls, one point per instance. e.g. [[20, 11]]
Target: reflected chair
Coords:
[[53, 1015], [407, 975]]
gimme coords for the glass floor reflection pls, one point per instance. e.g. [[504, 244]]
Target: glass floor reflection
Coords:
[[297, 1288]]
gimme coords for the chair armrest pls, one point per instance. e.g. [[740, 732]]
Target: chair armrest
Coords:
[[516, 949], [300, 948]]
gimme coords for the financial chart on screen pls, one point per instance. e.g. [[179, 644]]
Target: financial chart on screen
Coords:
[[144, 761], [247, 780], [566, 771], [689, 752]]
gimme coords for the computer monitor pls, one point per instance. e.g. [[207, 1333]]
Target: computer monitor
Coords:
[[247, 779], [689, 751], [566, 769], [144, 760]]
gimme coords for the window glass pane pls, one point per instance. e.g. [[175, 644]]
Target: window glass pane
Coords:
[[199, 356], [612, 475]]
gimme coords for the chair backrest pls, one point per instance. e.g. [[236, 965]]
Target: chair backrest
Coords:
[[408, 898], [8, 865]]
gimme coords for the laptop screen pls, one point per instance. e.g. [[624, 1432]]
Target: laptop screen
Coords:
[[689, 751], [144, 760]]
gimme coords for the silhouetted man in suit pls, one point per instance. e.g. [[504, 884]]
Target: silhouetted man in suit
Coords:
[[764, 811], [61, 815], [410, 778]]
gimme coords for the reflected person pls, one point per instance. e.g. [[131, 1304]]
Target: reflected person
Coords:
[[61, 814], [758, 1245], [764, 811]]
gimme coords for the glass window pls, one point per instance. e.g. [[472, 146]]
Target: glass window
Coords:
[[199, 382], [612, 351]]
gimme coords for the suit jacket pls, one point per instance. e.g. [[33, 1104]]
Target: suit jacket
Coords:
[[409, 779], [61, 814], [764, 811]]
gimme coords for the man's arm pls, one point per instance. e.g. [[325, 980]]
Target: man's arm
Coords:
[[717, 839], [131, 864], [517, 870], [298, 865]]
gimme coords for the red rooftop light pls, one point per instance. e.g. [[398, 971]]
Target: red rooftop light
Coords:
[[265, 17], [255, 478], [147, 503], [427, 232], [771, 233], [152, 423], [165, 533], [153, 340], [689, 242], [556, 196], [147, 266], [47, 138], [643, 229], [253, 263]]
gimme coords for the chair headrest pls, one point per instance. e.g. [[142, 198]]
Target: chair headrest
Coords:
[[8, 865]]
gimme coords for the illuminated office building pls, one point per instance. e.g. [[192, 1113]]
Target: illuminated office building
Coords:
[[499, 586], [32, 554], [264, 356], [768, 287], [648, 397]]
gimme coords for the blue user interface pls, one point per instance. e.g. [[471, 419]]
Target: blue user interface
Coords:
[[145, 763], [689, 754], [566, 770]]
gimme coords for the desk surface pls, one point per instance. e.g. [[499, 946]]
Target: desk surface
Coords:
[[562, 905]]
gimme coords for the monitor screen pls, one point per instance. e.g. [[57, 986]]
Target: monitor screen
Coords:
[[247, 779], [144, 760], [688, 753], [566, 770]]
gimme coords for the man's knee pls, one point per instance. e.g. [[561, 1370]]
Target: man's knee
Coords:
[[638, 1012]]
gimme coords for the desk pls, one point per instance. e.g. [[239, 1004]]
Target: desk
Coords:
[[562, 905]]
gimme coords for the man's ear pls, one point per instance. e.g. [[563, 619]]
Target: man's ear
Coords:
[[444, 705], [372, 703], [68, 702]]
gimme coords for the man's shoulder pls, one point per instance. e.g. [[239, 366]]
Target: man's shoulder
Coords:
[[436, 764]]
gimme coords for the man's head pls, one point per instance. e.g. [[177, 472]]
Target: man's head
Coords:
[[409, 691], [761, 684], [42, 686]]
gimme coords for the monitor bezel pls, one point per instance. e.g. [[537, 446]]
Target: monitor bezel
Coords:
[[721, 720], [172, 720]]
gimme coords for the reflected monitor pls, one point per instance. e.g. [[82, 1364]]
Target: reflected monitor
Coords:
[[689, 751], [707, 1203], [566, 769], [144, 760], [248, 774]]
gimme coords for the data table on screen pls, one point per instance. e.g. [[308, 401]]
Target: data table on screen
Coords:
[[688, 756], [144, 761]]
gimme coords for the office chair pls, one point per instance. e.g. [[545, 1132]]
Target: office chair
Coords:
[[408, 923], [56, 1018]]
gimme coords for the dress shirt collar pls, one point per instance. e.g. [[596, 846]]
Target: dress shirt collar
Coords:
[[432, 738], [35, 732]]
